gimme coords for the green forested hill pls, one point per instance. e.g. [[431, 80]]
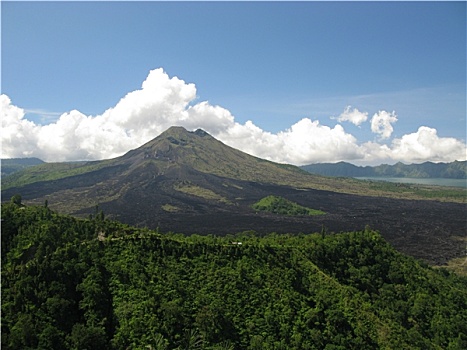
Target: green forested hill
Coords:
[[97, 284]]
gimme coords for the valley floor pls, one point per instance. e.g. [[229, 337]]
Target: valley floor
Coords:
[[428, 230]]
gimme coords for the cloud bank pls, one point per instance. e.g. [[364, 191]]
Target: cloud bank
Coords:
[[163, 101]]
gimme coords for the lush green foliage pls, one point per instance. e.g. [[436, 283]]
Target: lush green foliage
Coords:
[[98, 284], [282, 206]]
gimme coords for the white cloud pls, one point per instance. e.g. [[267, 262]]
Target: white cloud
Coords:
[[423, 145], [426, 144], [162, 102], [304, 142], [204, 115], [381, 123], [19, 136], [354, 116]]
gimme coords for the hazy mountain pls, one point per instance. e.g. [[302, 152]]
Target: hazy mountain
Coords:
[[12, 165], [192, 183], [454, 170]]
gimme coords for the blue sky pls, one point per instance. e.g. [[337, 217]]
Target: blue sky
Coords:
[[271, 63]]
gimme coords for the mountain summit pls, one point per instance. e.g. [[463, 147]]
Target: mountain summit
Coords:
[[177, 148]]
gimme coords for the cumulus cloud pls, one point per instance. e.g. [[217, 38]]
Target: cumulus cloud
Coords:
[[163, 101], [426, 144], [19, 135], [135, 119], [381, 123], [354, 116], [304, 141]]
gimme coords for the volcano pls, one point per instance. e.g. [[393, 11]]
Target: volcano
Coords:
[[189, 182]]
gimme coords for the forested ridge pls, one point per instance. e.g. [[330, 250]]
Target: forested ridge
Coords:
[[70, 283], [453, 170]]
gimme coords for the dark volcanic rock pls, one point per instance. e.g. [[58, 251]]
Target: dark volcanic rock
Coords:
[[427, 230]]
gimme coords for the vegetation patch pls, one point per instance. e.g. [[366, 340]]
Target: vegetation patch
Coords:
[[282, 206], [170, 208], [199, 191], [457, 265]]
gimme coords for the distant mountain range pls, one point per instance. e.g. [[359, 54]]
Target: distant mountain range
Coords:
[[454, 170], [190, 182]]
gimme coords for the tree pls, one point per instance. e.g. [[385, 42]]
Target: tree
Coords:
[[87, 337], [16, 199]]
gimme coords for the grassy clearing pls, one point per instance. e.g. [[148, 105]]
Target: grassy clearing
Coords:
[[199, 191], [170, 208], [457, 265]]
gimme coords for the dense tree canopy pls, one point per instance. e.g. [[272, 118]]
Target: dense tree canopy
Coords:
[[98, 284]]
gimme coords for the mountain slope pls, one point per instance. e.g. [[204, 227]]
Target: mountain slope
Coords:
[[204, 153]]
